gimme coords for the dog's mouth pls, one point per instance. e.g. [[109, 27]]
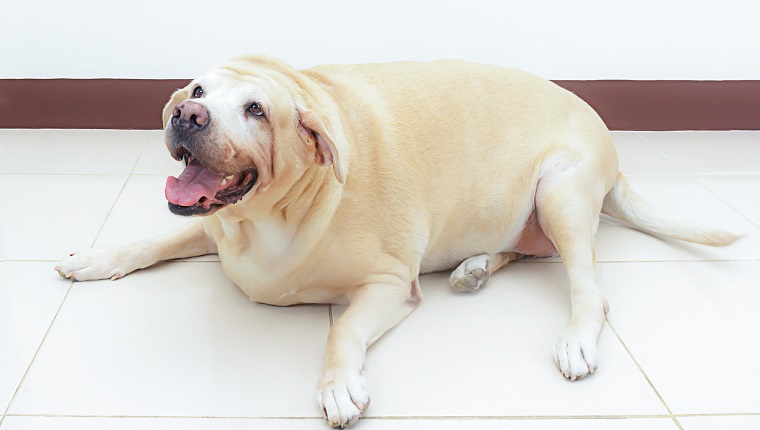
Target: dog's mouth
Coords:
[[198, 191]]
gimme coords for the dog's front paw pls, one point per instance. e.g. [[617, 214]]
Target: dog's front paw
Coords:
[[343, 396], [97, 263], [575, 352]]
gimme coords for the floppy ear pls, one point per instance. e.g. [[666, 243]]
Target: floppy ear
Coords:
[[329, 144], [178, 96]]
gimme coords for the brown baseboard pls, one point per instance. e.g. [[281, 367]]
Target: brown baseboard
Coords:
[[624, 105], [85, 103], [673, 105]]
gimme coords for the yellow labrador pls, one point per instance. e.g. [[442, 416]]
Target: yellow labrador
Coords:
[[341, 184]]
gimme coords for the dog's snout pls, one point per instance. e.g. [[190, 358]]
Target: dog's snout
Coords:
[[189, 118]]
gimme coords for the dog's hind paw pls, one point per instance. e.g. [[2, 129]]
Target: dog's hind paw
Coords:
[[471, 274]]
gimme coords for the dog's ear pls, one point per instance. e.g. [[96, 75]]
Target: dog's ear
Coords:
[[178, 96], [327, 141]]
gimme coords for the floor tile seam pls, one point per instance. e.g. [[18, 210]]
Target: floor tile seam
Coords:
[[649, 175], [110, 211], [121, 191], [37, 351], [25, 260], [157, 175], [139, 157], [517, 417], [732, 174], [741, 260], [711, 192], [692, 174], [651, 145], [166, 417], [644, 374], [145, 142], [379, 417], [724, 202], [721, 414]]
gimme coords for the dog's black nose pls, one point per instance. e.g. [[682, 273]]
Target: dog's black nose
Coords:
[[189, 118]]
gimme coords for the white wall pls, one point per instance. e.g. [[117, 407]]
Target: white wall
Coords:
[[558, 39]]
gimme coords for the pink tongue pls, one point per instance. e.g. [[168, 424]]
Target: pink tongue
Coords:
[[194, 182]]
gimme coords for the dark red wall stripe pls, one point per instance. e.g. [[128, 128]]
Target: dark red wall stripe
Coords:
[[673, 105], [84, 103], [624, 105]]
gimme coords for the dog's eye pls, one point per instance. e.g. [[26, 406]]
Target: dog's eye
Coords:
[[255, 109], [197, 92]]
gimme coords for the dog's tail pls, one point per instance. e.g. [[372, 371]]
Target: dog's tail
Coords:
[[622, 203]]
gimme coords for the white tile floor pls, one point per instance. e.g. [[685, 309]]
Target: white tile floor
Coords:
[[177, 346]]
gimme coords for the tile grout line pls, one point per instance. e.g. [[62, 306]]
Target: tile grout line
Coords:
[[28, 261], [722, 414], [330, 314], [403, 418], [39, 347], [646, 377], [693, 178], [118, 196], [685, 172], [105, 220], [139, 157], [724, 202], [379, 418], [71, 286]]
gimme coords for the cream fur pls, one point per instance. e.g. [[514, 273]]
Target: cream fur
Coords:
[[411, 168]]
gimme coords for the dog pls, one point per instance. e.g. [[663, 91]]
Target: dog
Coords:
[[343, 183]]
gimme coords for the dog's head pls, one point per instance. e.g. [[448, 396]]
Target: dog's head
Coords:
[[243, 126]]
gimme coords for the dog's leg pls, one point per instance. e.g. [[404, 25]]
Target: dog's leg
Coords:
[[374, 309], [568, 204], [475, 271], [115, 262]]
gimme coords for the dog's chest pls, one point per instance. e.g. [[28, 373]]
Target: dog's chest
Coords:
[[266, 262]]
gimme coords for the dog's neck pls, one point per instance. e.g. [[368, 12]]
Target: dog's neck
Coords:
[[303, 206]]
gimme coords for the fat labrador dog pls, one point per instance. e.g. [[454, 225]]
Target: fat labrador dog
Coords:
[[342, 184]]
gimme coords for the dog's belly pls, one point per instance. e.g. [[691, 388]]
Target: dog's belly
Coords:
[[529, 240], [533, 241]]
